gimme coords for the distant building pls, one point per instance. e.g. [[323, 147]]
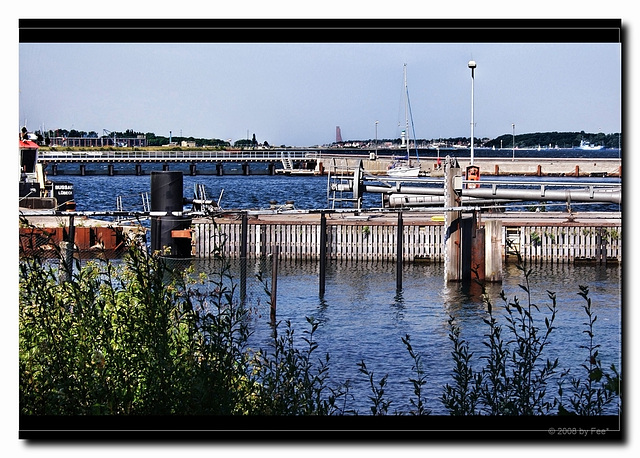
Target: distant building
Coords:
[[96, 142]]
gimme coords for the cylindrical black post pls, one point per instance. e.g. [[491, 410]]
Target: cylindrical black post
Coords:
[[243, 256], [166, 199], [166, 191], [274, 283], [138, 169], [399, 251], [323, 252], [110, 170]]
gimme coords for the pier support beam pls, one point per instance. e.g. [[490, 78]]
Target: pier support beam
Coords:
[[192, 169], [244, 235], [493, 251], [138, 170], [245, 168], [66, 250], [219, 169], [274, 284], [83, 169], [452, 220], [110, 170], [323, 253], [399, 251]]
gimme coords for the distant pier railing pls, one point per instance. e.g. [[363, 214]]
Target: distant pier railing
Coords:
[[175, 156]]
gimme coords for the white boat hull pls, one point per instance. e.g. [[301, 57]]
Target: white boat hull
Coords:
[[404, 172]]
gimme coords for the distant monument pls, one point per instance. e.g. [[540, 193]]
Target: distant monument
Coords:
[[338, 135]]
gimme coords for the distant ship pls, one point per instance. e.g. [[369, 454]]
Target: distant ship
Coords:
[[589, 147]]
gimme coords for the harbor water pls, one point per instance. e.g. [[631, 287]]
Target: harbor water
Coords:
[[362, 317]]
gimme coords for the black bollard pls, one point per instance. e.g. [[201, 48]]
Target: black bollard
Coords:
[[170, 231]]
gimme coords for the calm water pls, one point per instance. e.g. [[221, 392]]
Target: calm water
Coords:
[[363, 317]]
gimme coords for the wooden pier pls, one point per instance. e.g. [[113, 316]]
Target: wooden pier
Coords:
[[545, 237]]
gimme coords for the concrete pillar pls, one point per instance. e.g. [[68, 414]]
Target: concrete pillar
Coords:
[[452, 251], [493, 251]]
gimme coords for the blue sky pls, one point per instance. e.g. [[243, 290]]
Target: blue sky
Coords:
[[296, 94]]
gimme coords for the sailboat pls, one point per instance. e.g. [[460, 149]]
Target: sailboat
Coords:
[[405, 168]]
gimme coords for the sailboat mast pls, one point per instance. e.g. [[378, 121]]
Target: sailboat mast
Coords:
[[406, 109]]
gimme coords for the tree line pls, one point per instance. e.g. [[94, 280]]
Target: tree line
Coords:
[[527, 140]]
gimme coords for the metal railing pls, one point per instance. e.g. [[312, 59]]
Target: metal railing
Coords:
[[175, 156]]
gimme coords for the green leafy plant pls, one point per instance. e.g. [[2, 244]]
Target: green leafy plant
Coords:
[[591, 395]]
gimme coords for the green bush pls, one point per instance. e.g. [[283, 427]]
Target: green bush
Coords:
[[143, 337]]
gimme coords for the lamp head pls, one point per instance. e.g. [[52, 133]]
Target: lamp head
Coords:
[[472, 64]]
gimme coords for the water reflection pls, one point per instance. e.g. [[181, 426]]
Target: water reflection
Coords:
[[363, 316]]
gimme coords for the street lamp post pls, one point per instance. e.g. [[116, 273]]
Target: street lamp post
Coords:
[[472, 66], [376, 140], [513, 148]]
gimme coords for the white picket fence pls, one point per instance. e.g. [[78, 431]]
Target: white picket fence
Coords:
[[365, 240]]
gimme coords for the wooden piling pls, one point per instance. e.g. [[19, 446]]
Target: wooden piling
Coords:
[[323, 253], [493, 251], [244, 231], [399, 251], [477, 250], [274, 284], [466, 237]]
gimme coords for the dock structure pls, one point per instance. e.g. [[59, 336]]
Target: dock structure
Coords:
[[545, 237], [314, 162]]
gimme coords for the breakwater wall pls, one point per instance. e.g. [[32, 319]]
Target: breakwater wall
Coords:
[[554, 237]]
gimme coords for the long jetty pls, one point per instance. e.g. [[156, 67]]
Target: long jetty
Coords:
[[309, 161]]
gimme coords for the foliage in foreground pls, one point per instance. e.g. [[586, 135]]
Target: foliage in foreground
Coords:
[[144, 338], [515, 378]]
